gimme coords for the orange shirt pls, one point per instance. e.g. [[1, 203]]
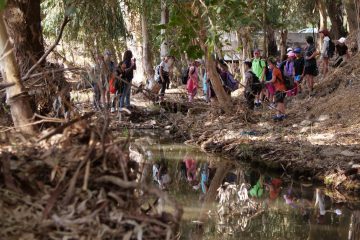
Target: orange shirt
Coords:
[[279, 82]]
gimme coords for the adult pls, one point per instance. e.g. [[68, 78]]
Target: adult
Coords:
[[325, 54], [280, 90], [289, 72], [311, 69], [130, 64], [252, 85], [299, 66], [164, 74], [109, 69], [342, 51], [258, 67]]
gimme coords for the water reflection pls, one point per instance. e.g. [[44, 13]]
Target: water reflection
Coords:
[[223, 200]]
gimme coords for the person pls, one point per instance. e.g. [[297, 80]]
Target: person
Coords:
[[252, 85], [109, 68], [119, 83], [280, 90], [289, 72], [130, 64], [164, 73], [299, 65], [192, 83], [310, 70], [258, 67], [325, 55], [206, 87], [97, 82], [223, 71], [342, 51]]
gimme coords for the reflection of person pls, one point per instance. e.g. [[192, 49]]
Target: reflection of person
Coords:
[[257, 190], [320, 201], [274, 188], [160, 174], [190, 164]]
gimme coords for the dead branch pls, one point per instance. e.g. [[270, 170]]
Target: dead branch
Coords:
[[65, 21], [62, 127], [117, 181]]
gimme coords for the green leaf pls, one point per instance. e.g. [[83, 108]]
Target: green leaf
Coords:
[[2, 4]]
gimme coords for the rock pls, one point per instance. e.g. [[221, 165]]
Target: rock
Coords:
[[306, 123], [323, 118], [295, 125], [348, 153]]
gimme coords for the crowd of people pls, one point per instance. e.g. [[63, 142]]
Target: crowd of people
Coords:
[[269, 80], [111, 82]]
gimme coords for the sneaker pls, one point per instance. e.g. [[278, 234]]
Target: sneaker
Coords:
[[112, 110], [278, 118]]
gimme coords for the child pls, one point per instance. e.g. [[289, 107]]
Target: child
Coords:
[[280, 90], [118, 84], [299, 65]]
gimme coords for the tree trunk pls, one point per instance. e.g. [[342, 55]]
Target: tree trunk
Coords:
[[223, 98], [245, 45], [272, 47], [350, 8], [265, 43], [164, 49], [16, 96], [24, 25], [358, 21], [283, 39], [134, 43], [354, 231], [323, 18], [147, 63], [336, 17]]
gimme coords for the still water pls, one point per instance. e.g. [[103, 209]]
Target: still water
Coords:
[[223, 199]]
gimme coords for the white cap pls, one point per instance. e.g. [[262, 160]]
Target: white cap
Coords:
[[342, 40], [289, 50]]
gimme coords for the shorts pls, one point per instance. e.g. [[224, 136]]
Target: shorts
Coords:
[[311, 70], [270, 87], [280, 97]]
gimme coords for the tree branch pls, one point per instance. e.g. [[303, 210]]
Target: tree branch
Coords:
[[65, 21]]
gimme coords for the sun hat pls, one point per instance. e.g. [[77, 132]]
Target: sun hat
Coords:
[[247, 60], [297, 50], [256, 50], [291, 54], [107, 52], [342, 40], [289, 50]]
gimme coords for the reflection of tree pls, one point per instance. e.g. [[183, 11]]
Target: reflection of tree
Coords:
[[354, 231], [235, 208]]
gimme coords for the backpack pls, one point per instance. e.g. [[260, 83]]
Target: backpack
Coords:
[[255, 85], [185, 75], [231, 83], [288, 81], [112, 87], [331, 49]]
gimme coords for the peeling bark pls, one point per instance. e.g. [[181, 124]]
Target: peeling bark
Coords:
[[16, 96], [24, 26], [146, 54]]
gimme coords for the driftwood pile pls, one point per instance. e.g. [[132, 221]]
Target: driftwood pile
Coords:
[[76, 183]]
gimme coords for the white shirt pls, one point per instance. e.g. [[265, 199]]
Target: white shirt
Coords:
[[165, 66]]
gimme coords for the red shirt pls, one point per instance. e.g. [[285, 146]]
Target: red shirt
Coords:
[[279, 82]]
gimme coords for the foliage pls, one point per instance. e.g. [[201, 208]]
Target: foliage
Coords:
[[2, 4], [97, 24]]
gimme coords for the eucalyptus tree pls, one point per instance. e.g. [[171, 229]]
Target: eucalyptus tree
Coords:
[[16, 95], [97, 25], [23, 22]]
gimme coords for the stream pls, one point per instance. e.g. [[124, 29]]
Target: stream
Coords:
[[223, 199]]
